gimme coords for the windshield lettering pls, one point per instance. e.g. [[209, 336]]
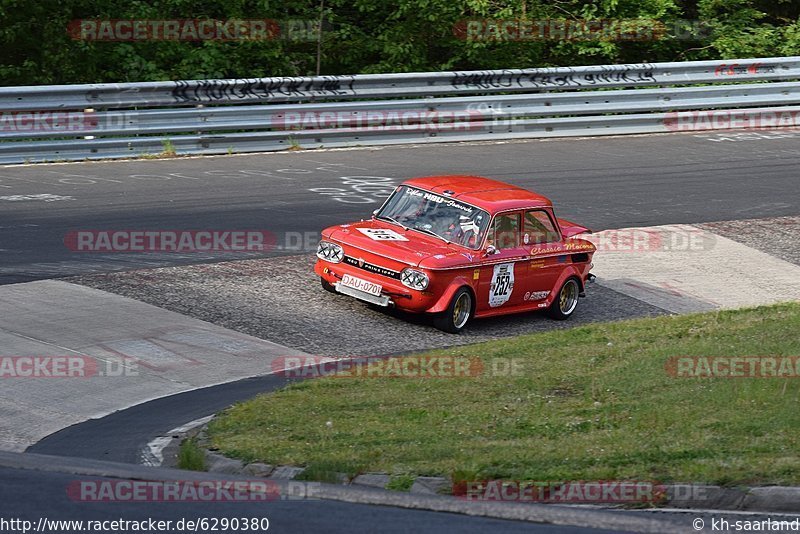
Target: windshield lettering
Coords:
[[429, 213]]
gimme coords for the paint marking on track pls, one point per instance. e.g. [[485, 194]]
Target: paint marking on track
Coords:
[[47, 197], [152, 454]]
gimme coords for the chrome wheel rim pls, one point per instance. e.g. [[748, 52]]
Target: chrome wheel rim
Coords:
[[461, 310], [568, 298]]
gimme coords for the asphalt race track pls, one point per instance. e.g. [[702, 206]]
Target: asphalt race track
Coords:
[[119, 437], [601, 182]]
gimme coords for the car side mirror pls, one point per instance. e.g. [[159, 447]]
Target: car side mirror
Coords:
[[374, 213], [490, 250]]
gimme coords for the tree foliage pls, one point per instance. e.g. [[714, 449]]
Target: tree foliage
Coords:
[[372, 36]]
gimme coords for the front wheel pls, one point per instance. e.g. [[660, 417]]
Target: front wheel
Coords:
[[566, 301], [455, 317]]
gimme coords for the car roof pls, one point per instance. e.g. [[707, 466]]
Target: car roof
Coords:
[[485, 193]]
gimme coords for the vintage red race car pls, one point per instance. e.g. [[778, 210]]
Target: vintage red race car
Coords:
[[458, 247]]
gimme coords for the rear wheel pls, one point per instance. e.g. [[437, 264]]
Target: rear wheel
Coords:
[[566, 301], [327, 286], [458, 312]]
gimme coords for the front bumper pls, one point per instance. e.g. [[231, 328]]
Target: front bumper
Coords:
[[393, 293], [383, 300]]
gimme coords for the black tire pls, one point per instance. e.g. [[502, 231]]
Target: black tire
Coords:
[[457, 314], [327, 286], [566, 300]]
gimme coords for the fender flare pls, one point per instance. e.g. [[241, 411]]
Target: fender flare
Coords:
[[456, 284], [571, 272]]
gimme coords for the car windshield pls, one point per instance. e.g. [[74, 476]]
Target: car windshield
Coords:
[[427, 212]]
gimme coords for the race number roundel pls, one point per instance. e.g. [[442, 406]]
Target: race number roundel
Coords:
[[502, 284], [382, 234]]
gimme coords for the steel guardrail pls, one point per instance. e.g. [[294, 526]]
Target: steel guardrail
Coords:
[[73, 122]]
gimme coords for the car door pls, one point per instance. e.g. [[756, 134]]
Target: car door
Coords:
[[502, 278], [542, 242]]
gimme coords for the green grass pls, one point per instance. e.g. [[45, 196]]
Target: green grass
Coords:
[[401, 482], [294, 144], [190, 456], [594, 402], [169, 149]]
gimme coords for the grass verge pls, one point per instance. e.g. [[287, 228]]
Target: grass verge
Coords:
[[589, 403], [191, 456]]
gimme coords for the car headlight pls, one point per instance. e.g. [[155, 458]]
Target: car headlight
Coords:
[[330, 252], [414, 279]]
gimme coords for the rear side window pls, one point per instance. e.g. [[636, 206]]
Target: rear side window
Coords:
[[538, 228]]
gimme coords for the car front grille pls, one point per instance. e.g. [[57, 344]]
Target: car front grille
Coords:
[[372, 268]]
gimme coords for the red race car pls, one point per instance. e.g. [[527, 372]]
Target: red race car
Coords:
[[458, 247]]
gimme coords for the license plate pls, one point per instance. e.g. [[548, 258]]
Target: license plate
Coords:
[[361, 285]]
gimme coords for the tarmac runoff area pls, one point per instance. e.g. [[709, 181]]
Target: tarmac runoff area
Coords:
[[71, 353], [686, 268]]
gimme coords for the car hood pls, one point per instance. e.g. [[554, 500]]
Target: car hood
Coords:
[[402, 246]]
